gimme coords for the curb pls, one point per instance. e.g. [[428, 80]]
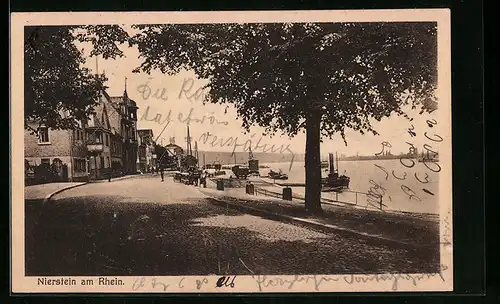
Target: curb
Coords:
[[113, 179], [48, 197], [312, 223]]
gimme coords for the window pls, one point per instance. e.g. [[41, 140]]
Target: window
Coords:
[[78, 134], [43, 135], [98, 137], [106, 137], [45, 161], [80, 165]]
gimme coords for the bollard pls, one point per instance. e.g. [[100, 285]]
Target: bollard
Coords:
[[220, 184], [287, 194], [250, 189]]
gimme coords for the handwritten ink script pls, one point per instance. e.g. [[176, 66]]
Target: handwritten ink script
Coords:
[[158, 284], [247, 146], [154, 283], [181, 117], [226, 282], [265, 282], [187, 90], [145, 90], [447, 237], [429, 159], [316, 281]]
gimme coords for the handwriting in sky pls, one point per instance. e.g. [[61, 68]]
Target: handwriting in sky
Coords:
[[248, 145], [189, 92], [145, 90], [408, 162]]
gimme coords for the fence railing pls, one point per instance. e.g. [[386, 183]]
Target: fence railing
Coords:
[[267, 193], [372, 200]]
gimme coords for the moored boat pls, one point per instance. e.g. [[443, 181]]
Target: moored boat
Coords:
[[334, 181], [277, 175], [324, 164]]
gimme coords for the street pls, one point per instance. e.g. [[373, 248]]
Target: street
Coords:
[[142, 226]]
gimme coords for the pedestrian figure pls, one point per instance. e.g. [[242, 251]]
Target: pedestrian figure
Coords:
[[161, 173], [203, 179]]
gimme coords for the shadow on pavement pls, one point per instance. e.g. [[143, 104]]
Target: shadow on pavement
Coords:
[[112, 236]]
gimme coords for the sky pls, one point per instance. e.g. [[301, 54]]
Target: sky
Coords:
[[163, 98]]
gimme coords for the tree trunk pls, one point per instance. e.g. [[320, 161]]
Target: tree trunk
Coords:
[[313, 164]]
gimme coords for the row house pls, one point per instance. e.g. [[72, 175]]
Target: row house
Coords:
[[146, 158], [60, 153], [114, 136], [106, 142], [124, 126]]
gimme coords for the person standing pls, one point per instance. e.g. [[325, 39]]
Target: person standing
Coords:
[[161, 173], [203, 179]]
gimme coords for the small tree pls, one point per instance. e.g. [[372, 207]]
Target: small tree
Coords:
[[58, 90]]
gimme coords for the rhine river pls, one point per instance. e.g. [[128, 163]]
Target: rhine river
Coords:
[[400, 187]]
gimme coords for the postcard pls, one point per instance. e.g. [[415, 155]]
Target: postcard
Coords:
[[231, 152]]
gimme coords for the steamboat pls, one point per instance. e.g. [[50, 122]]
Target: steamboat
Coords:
[[334, 181]]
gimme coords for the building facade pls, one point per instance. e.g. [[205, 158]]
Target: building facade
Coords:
[[146, 158], [55, 155], [106, 143], [122, 115], [99, 134]]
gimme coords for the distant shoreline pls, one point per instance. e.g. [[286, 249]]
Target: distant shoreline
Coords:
[[228, 158]]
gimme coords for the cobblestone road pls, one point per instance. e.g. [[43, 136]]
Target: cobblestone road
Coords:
[[141, 226]]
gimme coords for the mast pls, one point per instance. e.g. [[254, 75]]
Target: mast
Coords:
[[189, 151], [196, 153], [337, 161], [332, 165]]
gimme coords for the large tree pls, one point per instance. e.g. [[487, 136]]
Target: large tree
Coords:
[[320, 78], [58, 89]]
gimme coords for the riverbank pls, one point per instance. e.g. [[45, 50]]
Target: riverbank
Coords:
[[412, 229]]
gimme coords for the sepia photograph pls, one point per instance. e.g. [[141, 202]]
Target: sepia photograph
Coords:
[[232, 152]]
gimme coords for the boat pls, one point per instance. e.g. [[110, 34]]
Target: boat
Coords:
[[241, 172], [253, 164], [277, 175], [334, 181]]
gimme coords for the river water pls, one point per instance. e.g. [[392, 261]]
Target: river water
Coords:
[[400, 188]]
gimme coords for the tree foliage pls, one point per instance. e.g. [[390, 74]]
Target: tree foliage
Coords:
[[58, 90], [277, 74], [318, 78]]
